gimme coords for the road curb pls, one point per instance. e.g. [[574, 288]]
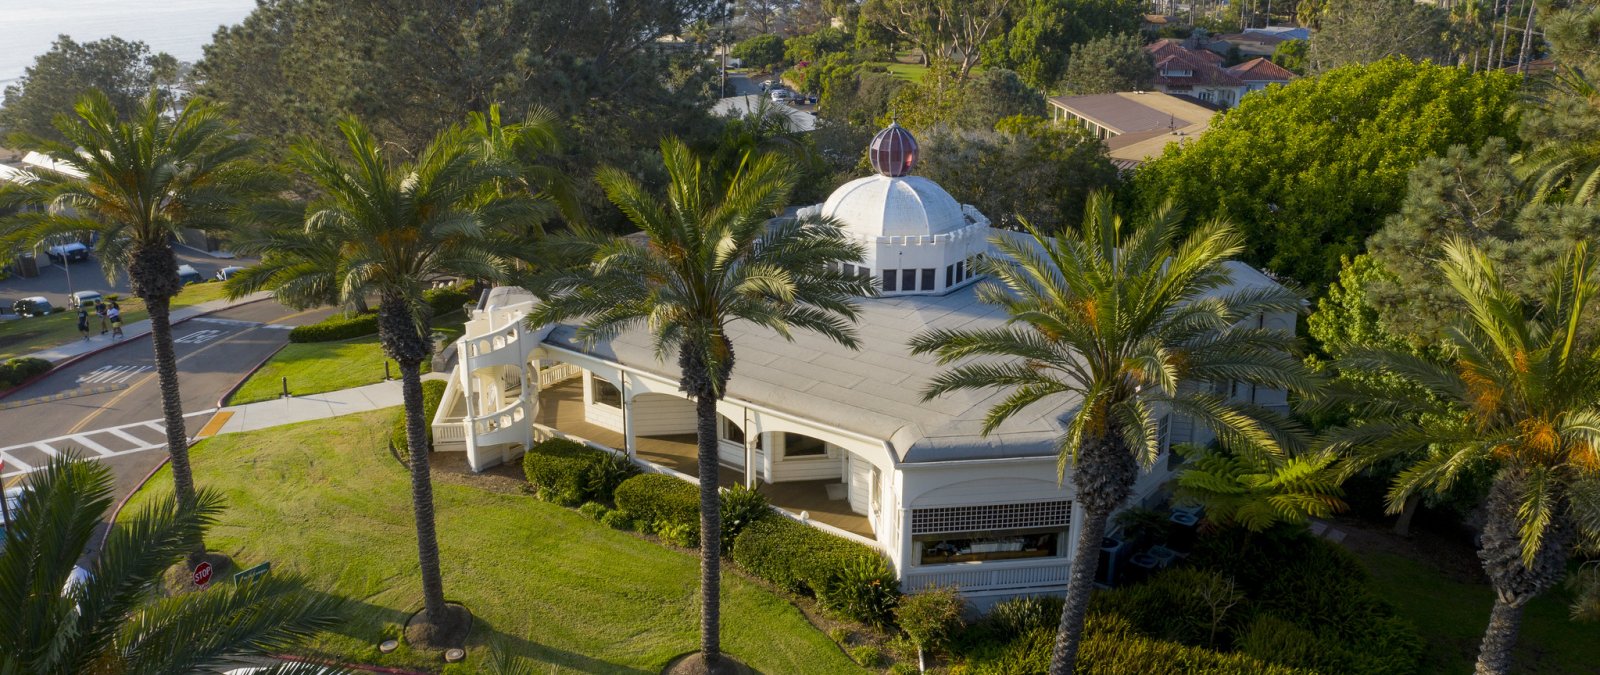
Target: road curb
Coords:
[[79, 357], [115, 513], [222, 402]]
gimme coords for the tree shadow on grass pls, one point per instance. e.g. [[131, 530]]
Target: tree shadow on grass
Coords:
[[485, 635]]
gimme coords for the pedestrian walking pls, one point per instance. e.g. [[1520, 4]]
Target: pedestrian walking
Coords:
[[83, 322], [115, 314], [100, 311]]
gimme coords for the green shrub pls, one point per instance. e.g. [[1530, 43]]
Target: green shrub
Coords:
[[616, 520], [869, 656], [336, 327], [432, 395], [677, 534], [16, 371], [567, 472], [661, 502], [861, 588], [796, 557], [440, 301], [594, 510], [902, 669], [1111, 647], [1020, 615], [1185, 605], [741, 507], [931, 616]]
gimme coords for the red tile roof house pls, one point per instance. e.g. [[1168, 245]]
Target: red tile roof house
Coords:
[[1199, 74]]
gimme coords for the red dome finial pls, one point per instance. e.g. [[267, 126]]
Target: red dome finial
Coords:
[[893, 151]]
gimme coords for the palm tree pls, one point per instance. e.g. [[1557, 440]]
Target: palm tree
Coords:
[[714, 257], [521, 149], [1565, 169], [397, 226], [54, 619], [1518, 393], [1121, 318], [143, 181]]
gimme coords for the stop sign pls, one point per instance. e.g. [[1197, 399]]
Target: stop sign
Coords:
[[202, 574]]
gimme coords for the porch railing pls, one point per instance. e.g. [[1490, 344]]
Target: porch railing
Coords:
[[988, 576]]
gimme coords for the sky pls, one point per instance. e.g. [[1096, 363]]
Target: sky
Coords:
[[179, 27]]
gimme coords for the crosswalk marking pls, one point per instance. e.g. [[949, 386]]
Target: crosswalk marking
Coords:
[[54, 447], [94, 446], [111, 374], [225, 322]]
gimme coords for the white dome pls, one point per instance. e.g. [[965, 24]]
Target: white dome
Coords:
[[881, 206]]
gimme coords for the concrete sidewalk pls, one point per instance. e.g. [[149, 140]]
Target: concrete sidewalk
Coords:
[[138, 329], [266, 414]]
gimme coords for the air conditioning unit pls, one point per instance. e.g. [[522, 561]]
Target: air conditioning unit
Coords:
[[1113, 558], [1185, 523], [1140, 567]]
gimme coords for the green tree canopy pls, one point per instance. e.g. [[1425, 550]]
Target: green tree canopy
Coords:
[[761, 51], [1292, 54], [1025, 169], [813, 46], [941, 99], [1044, 31], [1367, 31], [1109, 64], [124, 71], [1310, 170]]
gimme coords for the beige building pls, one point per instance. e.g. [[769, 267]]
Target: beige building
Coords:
[[1134, 125]]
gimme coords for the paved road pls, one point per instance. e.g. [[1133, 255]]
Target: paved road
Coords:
[[112, 403], [86, 276]]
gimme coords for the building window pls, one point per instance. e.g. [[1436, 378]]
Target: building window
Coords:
[[938, 549], [731, 433], [961, 271], [849, 269], [908, 280], [992, 532], [800, 445], [606, 393], [927, 278], [889, 279], [949, 275]]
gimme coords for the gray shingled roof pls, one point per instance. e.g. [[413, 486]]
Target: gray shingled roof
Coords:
[[876, 391]]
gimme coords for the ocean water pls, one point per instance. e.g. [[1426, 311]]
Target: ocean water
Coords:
[[179, 27]]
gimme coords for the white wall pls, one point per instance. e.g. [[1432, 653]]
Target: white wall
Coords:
[[662, 415], [811, 467], [596, 413]]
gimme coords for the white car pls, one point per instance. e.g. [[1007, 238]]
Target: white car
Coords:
[[781, 95], [83, 299], [227, 273], [73, 252], [13, 499]]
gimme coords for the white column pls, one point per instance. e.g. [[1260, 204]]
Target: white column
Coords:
[[629, 447], [1072, 532], [749, 452]]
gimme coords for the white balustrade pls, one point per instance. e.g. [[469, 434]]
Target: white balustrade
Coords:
[[988, 576]]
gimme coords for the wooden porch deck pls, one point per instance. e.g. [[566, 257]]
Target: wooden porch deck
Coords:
[[561, 407]]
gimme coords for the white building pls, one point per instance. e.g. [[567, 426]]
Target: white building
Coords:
[[838, 438]]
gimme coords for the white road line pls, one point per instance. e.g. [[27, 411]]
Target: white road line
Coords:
[[13, 461], [126, 436], [46, 449], [158, 426], [84, 439]]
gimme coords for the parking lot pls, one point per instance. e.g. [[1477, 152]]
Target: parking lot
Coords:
[[87, 276]]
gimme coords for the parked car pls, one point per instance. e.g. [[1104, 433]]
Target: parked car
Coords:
[[83, 299], [782, 95], [767, 84], [188, 275], [13, 499], [227, 273], [37, 305], [73, 252]]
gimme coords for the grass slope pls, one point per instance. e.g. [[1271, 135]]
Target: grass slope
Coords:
[[1452, 615], [20, 337], [327, 500], [316, 367]]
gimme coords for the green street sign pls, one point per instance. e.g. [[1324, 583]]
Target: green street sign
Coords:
[[258, 570]]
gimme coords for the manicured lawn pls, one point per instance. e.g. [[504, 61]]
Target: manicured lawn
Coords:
[[1451, 615], [326, 499], [19, 337], [911, 72], [316, 367]]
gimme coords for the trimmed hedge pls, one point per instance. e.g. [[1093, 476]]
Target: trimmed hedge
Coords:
[[796, 557], [1111, 647], [347, 326], [432, 395], [16, 371], [567, 472], [662, 504]]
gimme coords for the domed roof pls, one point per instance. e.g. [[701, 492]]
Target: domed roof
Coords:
[[893, 151], [885, 206]]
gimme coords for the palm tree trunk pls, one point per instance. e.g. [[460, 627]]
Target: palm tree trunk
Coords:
[[422, 490], [1085, 563], [159, 308], [1402, 526], [705, 408], [1494, 656]]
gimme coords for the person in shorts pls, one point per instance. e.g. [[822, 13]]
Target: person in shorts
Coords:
[[100, 311], [83, 322], [115, 315]]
